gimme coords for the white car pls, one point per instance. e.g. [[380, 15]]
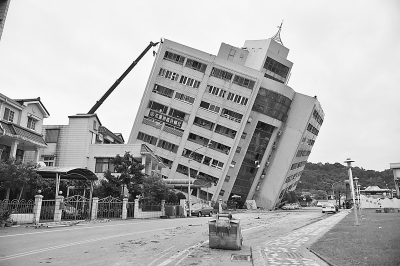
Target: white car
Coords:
[[328, 207]]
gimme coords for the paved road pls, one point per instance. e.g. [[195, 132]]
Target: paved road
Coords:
[[142, 242]]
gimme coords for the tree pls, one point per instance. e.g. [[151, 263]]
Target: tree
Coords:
[[18, 176], [154, 189], [129, 175]]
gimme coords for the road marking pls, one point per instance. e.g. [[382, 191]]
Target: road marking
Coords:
[[165, 253], [180, 253], [77, 228], [23, 254]]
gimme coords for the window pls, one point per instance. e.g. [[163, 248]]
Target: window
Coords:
[[222, 192], [168, 74], [184, 98], [232, 115], [174, 57], [167, 146], [177, 114], [276, 67], [163, 91], [196, 65], [207, 160], [8, 115], [216, 91], [49, 160], [203, 123], [221, 74], [225, 131], [241, 81], [104, 164], [272, 104], [227, 178], [189, 82], [158, 107], [31, 123], [52, 135], [147, 138], [210, 107], [217, 164]]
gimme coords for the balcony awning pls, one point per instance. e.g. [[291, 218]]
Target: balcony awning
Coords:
[[70, 173]]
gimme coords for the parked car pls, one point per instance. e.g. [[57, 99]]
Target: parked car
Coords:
[[329, 207], [202, 211]]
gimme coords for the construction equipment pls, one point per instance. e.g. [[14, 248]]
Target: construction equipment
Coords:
[[118, 81]]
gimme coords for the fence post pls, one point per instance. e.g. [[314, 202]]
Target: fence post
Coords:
[[37, 208], [95, 206], [136, 209], [182, 203], [163, 207], [58, 208], [124, 208]]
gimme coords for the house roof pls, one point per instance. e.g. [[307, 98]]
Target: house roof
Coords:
[[67, 173], [105, 131], [375, 189], [16, 131], [34, 100]]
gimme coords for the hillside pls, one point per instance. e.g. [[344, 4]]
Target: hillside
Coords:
[[316, 176]]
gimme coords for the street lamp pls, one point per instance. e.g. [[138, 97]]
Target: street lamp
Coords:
[[190, 194], [349, 161]]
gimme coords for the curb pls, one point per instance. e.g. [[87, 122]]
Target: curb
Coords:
[[327, 261]]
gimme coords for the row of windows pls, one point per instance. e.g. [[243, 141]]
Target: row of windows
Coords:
[[221, 74], [312, 129], [318, 117], [165, 118], [163, 91], [216, 91], [168, 74], [210, 107], [210, 143], [103, 164], [174, 57], [310, 142], [276, 67], [203, 159], [237, 98], [241, 81], [190, 63], [231, 115], [301, 153], [184, 98], [294, 176], [167, 146], [189, 82], [297, 165], [147, 138], [218, 129]]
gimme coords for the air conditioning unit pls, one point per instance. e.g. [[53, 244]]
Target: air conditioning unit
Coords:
[[279, 132], [258, 187], [262, 176], [249, 120], [273, 146]]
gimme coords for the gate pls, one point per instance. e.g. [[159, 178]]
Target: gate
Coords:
[[130, 210], [47, 210], [75, 208], [109, 207]]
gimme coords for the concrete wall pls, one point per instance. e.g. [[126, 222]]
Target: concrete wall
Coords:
[[370, 202]]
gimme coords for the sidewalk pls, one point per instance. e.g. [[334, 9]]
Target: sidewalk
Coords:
[[291, 249]]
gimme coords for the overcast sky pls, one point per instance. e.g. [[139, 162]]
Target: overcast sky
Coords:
[[345, 52]]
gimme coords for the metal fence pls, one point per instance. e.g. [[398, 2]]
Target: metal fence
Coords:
[[109, 207], [75, 207], [17, 206], [47, 210]]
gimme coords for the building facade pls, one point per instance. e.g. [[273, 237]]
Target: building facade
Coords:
[[86, 143], [229, 118], [21, 122]]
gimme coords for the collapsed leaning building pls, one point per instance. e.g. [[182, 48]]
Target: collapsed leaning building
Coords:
[[230, 118]]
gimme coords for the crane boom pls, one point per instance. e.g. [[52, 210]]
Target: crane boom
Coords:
[[118, 81]]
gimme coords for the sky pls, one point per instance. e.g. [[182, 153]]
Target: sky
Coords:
[[347, 53]]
